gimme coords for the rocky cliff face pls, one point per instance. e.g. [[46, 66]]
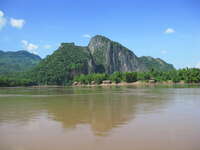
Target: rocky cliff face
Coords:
[[110, 56]]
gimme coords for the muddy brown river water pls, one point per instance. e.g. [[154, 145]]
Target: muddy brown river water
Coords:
[[101, 118]]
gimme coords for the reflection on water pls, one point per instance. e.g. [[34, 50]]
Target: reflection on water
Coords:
[[100, 118]]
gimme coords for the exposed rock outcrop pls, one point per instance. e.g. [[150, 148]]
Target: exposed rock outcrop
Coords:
[[110, 56]]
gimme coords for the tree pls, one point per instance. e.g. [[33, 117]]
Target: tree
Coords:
[[130, 77]]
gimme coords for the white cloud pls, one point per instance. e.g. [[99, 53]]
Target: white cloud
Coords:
[[47, 46], [24, 42], [169, 31], [1, 13], [2, 20], [17, 23], [32, 48], [87, 36], [198, 65], [163, 52]]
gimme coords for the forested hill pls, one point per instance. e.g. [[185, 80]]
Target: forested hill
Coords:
[[66, 62], [17, 61], [156, 63], [102, 55]]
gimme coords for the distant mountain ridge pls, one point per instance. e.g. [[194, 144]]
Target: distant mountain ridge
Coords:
[[17, 61], [102, 55], [156, 63]]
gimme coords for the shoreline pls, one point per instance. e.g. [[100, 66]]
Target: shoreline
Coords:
[[136, 84]]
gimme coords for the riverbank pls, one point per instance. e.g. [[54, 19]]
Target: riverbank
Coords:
[[138, 83]]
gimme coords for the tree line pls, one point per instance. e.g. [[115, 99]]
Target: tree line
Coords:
[[188, 75], [14, 81]]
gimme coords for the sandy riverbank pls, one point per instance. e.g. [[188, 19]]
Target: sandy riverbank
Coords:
[[138, 83]]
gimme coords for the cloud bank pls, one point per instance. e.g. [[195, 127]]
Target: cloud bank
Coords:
[[169, 31], [87, 36], [32, 48], [2, 20], [17, 23]]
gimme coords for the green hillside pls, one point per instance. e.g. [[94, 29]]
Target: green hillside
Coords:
[[156, 64], [17, 61], [68, 60]]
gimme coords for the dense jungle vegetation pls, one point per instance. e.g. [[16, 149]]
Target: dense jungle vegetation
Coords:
[[188, 75]]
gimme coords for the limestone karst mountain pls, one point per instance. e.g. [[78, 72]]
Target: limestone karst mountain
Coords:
[[102, 55]]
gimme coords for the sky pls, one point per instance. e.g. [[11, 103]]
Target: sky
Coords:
[[166, 29]]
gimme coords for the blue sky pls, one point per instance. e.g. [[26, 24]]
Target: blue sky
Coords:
[[167, 29]]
